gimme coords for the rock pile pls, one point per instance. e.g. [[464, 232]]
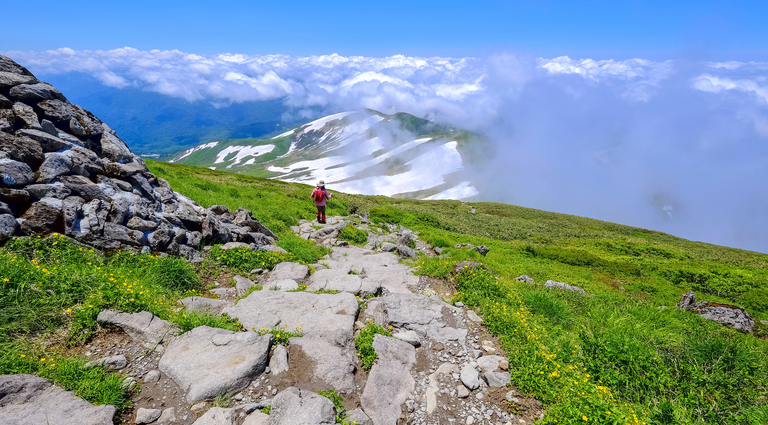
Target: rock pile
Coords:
[[63, 170]]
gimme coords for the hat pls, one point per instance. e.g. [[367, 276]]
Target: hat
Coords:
[[321, 184]]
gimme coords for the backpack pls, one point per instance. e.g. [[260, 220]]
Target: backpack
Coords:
[[318, 194]]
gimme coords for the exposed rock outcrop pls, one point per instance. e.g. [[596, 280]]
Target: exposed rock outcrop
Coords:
[[731, 316], [63, 170]]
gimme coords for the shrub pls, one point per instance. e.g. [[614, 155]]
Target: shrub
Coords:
[[364, 344], [244, 259], [354, 235]]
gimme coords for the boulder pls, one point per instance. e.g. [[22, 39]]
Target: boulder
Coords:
[[283, 285], [8, 225], [115, 149], [117, 233], [298, 407], [469, 265], [428, 316], [482, 249], [53, 190], [411, 337], [214, 232], [321, 235], [256, 418], [243, 284], [123, 171], [26, 116], [390, 382], [687, 301], [564, 286], [731, 316], [168, 417], [33, 93], [388, 247], [137, 223], [55, 165], [491, 363], [32, 400], [43, 217], [84, 188], [15, 174], [203, 304], [147, 416], [406, 252], [525, 278], [218, 416], [48, 127], [244, 218], [293, 271], [143, 327], [9, 79], [49, 143], [22, 149], [14, 196], [207, 361], [358, 417]]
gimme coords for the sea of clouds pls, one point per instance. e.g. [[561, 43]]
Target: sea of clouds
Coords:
[[679, 146]]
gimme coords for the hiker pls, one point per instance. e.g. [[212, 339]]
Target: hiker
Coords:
[[319, 195]]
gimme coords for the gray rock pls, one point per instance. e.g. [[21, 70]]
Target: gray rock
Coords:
[[243, 284], [27, 116], [43, 217], [321, 235], [8, 225], [53, 190], [147, 416], [482, 249], [49, 128], [33, 93], [144, 327], [342, 281], [388, 247], [137, 223], [438, 250], [9, 79], [283, 285], [204, 304], [244, 218], [298, 407], [85, 162], [428, 316], [14, 173], [462, 391], [405, 239], [406, 252], [470, 377], [294, 271], [342, 243], [152, 376], [464, 245], [168, 417], [160, 238], [687, 301], [411, 337], [114, 148], [214, 232], [390, 382], [206, 361], [218, 416], [273, 248], [116, 362], [564, 286], [358, 417], [491, 363], [279, 361], [497, 379], [731, 316], [256, 418], [119, 170], [22, 149], [232, 245], [47, 142], [32, 400], [525, 278], [14, 196]]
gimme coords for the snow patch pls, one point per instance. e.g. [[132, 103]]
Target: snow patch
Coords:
[[461, 191], [287, 133], [189, 152], [319, 124], [242, 153]]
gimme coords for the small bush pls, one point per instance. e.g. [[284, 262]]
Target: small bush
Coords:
[[364, 344], [338, 404], [353, 235], [281, 336]]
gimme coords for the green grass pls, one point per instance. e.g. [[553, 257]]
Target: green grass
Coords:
[[243, 259], [364, 344], [338, 405], [281, 335]]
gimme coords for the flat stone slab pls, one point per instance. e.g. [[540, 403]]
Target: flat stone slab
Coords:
[[390, 382], [206, 361], [333, 360], [298, 407], [32, 400], [429, 316], [313, 313], [283, 285], [144, 327], [217, 416], [339, 280], [491, 363]]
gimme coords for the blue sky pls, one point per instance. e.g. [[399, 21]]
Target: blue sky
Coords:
[[656, 30], [647, 113]]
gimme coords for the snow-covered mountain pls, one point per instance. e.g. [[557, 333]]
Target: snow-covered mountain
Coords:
[[364, 152]]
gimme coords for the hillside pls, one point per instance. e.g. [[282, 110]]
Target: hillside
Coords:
[[357, 152], [627, 341]]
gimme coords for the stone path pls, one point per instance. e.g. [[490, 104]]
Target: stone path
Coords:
[[440, 367]]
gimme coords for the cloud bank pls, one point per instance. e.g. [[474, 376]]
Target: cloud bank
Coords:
[[679, 146]]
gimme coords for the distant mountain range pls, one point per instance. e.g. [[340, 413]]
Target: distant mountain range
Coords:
[[155, 124], [363, 152]]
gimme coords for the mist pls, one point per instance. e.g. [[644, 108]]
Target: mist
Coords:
[[679, 146]]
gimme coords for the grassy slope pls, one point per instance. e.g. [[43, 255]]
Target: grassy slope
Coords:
[[618, 357]]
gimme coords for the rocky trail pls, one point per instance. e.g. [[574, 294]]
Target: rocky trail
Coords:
[[440, 366]]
